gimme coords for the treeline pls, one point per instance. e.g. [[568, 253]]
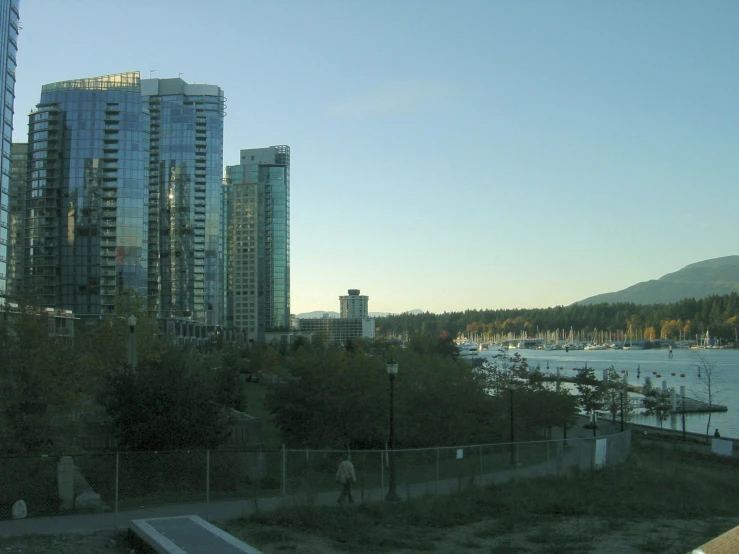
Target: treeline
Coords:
[[684, 319], [176, 398], [337, 398]]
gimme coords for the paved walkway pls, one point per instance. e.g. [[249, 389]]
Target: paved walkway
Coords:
[[223, 510]]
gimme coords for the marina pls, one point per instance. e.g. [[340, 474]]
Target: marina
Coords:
[[686, 368]]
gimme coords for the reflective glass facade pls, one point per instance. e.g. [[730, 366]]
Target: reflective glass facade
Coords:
[[185, 188], [9, 17], [87, 194], [257, 237], [17, 214]]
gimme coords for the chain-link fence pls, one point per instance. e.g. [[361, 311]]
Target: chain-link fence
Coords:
[[197, 480]]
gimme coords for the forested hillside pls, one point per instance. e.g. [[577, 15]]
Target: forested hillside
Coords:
[[718, 314], [699, 280]]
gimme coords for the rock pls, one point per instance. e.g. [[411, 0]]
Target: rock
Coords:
[[87, 501], [19, 509]]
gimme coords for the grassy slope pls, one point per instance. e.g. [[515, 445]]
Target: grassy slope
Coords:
[[650, 486]]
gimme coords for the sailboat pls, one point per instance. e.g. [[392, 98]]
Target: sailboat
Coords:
[[631, 346], [594, 345]]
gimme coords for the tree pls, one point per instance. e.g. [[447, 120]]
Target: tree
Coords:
[[544, 408], [613, 387], [656, 403], [42, 379], [229, 388], [710, 376], [565, 409], [503, 370], [589, 390], [329, 400], [335, 398], [441, 345], [104, 344], [165, 405]]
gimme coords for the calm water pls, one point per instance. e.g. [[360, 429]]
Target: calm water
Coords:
[[725, 377]]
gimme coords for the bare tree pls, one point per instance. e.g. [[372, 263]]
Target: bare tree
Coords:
[[710, 376]]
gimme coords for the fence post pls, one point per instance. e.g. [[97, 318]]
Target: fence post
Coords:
[[207, 485], [117, 469], [438, 450], [284, 471], [382, 472], [482, 480]]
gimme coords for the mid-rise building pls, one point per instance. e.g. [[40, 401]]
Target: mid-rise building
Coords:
[[9, 18], [257, 240], [337, 330], [354, 305], [354, 322], [17, 214], [86, 196], [185, 185]]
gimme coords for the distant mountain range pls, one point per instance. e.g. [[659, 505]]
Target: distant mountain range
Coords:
[[698, 280], [314, 315]]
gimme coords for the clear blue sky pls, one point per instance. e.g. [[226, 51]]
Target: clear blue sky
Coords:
[[449, 155]]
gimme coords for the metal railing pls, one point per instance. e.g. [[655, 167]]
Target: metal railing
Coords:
[[122, 481]]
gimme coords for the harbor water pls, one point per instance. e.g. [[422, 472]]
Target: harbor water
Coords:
[[650, 363]]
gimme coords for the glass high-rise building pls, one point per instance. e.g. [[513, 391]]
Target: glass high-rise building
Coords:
[[9, 17], [87, 195], [185, 188], [17, 216], [257, 237]]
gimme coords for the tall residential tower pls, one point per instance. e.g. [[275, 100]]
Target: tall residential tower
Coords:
[[17, 222], [185, 188], [86, 195], [354, 304], [9, 17], [257, 231]]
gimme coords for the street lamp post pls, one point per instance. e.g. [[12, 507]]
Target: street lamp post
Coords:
[[392, 371], [132, 358], [511, 388]]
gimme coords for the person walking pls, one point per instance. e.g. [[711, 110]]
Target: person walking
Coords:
[[346, 476]]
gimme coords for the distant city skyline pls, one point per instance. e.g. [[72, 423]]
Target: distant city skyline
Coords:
[[498, 156]]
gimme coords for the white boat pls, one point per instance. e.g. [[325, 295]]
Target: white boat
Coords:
[[468, 348], [632, 347], [629, 345], [592, 346]]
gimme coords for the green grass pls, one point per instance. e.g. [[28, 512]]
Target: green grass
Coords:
[[648, 486], [505, 547], [256, 406]]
